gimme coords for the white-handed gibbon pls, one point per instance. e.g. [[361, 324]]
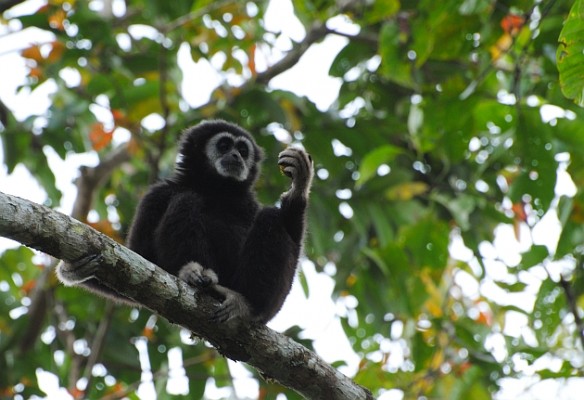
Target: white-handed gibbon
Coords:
[[205, 225]]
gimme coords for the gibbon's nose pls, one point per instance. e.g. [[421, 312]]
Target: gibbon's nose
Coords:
[[234, 155]]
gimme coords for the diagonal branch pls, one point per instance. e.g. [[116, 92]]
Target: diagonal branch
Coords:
[[275, 355], [573, 307], [93, 177], [315, 34]]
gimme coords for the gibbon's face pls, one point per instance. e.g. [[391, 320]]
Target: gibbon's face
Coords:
[[232, 156]]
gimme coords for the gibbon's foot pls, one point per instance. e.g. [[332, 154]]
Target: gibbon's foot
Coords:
[[194, 274], [80, 270], [234, 306], [296, 163]]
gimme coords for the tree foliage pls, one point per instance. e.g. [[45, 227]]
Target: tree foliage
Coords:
[[447, 206]]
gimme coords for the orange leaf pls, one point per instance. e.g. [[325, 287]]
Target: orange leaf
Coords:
[[512, 24], [99, 137], [56, 20], [119, 117], [519, 211], [503, 44], [485, 318], [251, 57], [33, 52], [56, 51], [36, 73], [462, 368], [148, 333], [29, 286], [77, 393], [118, 388]]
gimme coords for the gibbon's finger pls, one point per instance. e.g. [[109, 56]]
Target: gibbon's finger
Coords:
[[290, 172], [221, 315], [289, 169], [300, 160], [294, 162], [297, 153]]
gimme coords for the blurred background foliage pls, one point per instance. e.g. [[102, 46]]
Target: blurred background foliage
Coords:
[[456, 138]]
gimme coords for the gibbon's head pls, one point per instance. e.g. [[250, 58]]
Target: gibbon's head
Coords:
[[218, 152]]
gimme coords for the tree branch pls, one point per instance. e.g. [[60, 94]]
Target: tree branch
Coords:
[[316, 33], [92, 177], [275, 355], [573, 307]]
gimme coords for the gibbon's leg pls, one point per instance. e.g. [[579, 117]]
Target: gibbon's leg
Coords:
[[268, 264], [81, 272]]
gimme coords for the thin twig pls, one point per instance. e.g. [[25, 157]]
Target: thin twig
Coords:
[[92, 177], [194, 15], [68, 338], [97, 344], [316, 33], [573, 305]]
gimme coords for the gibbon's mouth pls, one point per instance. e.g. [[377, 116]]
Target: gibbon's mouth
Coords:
[[233, 168], [232, 165]]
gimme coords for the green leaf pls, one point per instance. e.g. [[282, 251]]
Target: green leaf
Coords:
[[350, 56], [547, 311], [536, 148], [382, 10], [422, 352], [460, 207], [534, 256], [381, 220], [566, 370], [516, 287], [570, 54], [16, 143], [374, 159], [394, 64], [99, 84], [427, 242]]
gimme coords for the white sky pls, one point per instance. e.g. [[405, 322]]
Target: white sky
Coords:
[[317, 314]]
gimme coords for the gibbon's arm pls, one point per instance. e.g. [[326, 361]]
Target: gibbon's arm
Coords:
[[296, 164]]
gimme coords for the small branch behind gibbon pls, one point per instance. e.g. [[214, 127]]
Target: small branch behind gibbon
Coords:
[[275, 355]]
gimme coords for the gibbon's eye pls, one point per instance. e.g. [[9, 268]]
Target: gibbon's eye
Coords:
[[224, 144], [242, 149]]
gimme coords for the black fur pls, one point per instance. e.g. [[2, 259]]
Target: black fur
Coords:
[[205, 225], [200, 216]]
